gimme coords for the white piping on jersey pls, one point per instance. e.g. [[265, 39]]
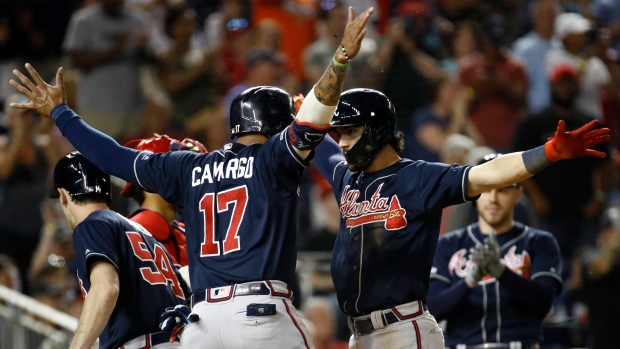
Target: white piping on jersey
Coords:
[[359, 289], [504, 246], [359, 277], [521, 236], [546, 273], [293, 153], [484, 313], [499, 314], [334, 171], [135, 173], [442, 278], [220, 152], [463, 185]]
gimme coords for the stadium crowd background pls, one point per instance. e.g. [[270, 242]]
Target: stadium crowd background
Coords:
[[467, 77]]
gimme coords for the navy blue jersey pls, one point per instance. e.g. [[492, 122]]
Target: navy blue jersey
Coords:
[[389, 226], [489, 314], [239, 205], [148, 280]]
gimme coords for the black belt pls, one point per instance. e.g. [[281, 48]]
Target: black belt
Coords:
[[364, 326], [247, 289], [510, 345]]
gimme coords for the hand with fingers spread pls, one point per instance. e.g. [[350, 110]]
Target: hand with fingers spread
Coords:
[[43, 97], [353, 35], [573, 144]]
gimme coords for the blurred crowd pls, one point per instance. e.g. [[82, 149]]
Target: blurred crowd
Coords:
[[467, 77]]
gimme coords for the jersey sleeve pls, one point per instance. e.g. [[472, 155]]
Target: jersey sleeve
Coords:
[[94, 239], [286, 167], [546, 261], [167, 174], [327, 158], [439, 270], [440, 185]]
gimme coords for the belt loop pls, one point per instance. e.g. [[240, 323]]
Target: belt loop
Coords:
[[461, 346], [377, 320], [515, 345]]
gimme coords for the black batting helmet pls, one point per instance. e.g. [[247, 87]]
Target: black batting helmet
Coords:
[[78, 176], [264, 109], [376, 113]]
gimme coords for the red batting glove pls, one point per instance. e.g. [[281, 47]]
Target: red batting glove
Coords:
[[574, 144], [299, 99]]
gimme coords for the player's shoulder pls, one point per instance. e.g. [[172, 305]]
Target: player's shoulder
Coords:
[[538, 234], [455, 236], [88, 12]]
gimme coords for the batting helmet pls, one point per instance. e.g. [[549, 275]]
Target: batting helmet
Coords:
[[264, 109], [376, 113], [162, 144], [78, 176]]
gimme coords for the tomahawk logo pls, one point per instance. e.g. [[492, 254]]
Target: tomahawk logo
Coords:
[[374, 210]]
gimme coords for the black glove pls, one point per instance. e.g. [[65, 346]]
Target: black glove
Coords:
[[175, 319]]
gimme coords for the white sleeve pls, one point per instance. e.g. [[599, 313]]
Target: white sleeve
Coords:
[[315, 112]]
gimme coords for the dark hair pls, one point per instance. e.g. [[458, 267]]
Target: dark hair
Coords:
[[398, 141]]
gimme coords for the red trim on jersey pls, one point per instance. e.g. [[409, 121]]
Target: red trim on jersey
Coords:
[[410, 316], [296, 324], [314, 126], [417, 334], [277, 294]]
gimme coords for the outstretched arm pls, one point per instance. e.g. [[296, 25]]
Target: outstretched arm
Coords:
[[516, 167], [50, 101]]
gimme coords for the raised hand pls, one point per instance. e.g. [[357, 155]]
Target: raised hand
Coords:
[[353, 34], [43, 97], [574, 144], [474, 275]]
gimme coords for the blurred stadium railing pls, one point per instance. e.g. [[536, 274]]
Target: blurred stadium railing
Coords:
[[26, 323]]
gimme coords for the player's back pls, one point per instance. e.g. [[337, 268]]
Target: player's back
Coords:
[[239, 205], [148, 280]]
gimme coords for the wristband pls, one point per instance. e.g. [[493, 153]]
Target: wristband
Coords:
[[345, 54], [341, 65], [535, 160]]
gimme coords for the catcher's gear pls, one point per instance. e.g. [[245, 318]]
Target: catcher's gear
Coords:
[[376, 113], [78, 176], [263, 109], [175, 319], [162, 144]]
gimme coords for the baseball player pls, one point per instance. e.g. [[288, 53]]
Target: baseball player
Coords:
[[239, 202], [127, 278], [391, 211], [156, 214], [498, 295]]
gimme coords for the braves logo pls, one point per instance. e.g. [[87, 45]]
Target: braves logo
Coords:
[[374, 210], [521, 264]]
